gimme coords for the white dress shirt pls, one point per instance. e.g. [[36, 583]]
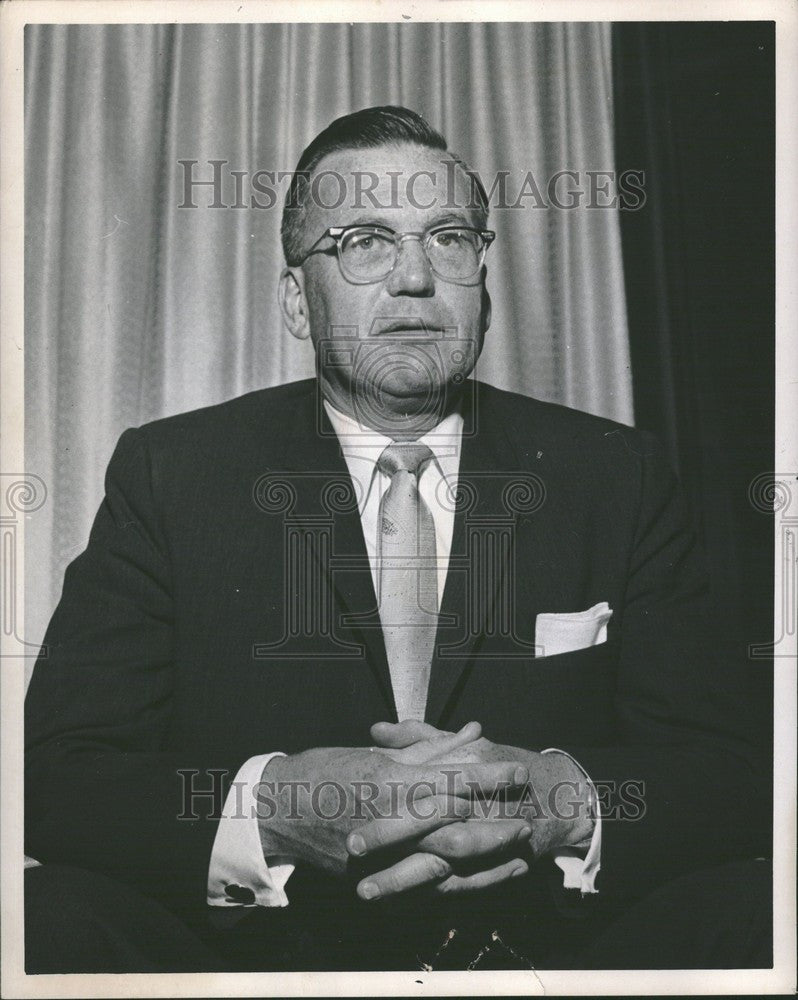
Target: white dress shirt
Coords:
[[237, 858]]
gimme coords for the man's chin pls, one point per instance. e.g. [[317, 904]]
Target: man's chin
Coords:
[[405, 403], [417, 394], [416, 374]]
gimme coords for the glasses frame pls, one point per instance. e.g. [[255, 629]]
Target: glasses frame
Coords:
[[337, 233]]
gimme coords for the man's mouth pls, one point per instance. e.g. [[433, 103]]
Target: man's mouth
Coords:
[[410, 326]]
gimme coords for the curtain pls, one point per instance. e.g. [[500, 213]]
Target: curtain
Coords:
[[136, 308], [696, 110]]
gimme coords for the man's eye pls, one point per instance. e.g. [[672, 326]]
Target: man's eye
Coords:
[[448, 239], [365, 242]]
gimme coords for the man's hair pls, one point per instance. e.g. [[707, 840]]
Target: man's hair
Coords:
[[368, 128]]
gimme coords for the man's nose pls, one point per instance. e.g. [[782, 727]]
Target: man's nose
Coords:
[[412, 274]]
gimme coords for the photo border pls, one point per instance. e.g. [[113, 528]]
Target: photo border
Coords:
[[13, 17]]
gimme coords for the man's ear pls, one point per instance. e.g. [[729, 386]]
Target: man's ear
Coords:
[[293, 304], [487, 309]]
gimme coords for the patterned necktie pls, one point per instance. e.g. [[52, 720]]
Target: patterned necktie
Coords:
[[408, 579]]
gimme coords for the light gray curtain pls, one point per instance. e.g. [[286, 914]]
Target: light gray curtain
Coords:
[[136, 308]]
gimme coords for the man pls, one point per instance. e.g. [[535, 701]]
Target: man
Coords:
[[256, 740]]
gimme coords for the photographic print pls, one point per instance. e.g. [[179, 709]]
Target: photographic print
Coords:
[[395, 512]]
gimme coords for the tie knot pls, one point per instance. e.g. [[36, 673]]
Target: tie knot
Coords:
[[404, 458]]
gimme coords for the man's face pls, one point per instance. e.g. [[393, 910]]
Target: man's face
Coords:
[[402, 345]]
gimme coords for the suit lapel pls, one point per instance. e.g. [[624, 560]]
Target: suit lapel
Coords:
[[491, 526], [324, 506]]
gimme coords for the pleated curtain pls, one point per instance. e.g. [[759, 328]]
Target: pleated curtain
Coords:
[[136, 308]]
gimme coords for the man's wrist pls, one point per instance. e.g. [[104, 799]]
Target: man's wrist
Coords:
[[581, 806], [561, 797]]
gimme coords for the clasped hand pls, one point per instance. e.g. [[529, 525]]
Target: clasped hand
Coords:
[[427, 810]]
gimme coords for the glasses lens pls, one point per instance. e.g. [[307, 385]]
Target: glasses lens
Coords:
[[455, 253], [367, 254]]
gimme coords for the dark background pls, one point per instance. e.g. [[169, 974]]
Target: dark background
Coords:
[[695, 108]]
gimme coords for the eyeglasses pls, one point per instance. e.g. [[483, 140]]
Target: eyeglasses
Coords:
[[369, 253]]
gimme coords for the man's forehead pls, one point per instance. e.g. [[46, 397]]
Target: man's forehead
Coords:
[[407, 156], [399, 178]]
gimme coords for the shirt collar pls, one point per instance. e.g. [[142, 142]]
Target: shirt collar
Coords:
[[361, 447]]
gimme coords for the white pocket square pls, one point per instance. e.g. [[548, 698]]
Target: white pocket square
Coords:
[[564, 633]]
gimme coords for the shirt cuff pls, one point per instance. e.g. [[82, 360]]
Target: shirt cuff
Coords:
[[238, 874], [580, 866]]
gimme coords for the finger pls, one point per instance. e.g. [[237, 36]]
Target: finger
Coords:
[[410, 873], [398, 735], [444, 746], [440, 748], [475, 838], [468, 780], [418, 818], [424, 808], [484, 879]]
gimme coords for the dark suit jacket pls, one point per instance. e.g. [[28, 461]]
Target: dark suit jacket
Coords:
[[224, 608]]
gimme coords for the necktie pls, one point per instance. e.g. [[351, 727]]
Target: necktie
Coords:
[[408, 582]]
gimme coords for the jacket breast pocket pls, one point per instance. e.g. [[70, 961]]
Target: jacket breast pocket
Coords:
[[566, 632]]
